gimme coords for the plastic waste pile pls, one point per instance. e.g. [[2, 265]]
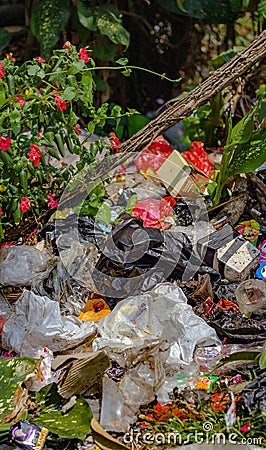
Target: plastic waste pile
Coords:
[[143, 324]]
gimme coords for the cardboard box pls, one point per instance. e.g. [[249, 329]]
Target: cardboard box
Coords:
[[179, 177]]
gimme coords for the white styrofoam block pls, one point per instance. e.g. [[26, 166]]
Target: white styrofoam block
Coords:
[[239, 257]]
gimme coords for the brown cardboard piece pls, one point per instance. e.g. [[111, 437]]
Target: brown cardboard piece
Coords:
[[80, 371], [180, 177]]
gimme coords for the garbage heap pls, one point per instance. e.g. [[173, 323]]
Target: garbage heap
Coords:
[[146, 320]]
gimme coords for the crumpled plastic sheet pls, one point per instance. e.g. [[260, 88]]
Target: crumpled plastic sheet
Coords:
[[160, 318], [121, 401], [36, 322], [24, 265]]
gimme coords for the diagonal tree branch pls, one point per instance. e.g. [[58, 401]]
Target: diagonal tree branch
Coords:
[[217, 81]]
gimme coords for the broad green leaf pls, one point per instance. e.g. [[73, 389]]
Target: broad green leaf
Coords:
[[249, 156], [221, 11], [103, 215], [126, 72], [245, 355], [242, 131], [87, 16], [5, 38], [15, 115], [224, 57], [74, 424], [136, 122], [12, 374], [48, 18], [110, 26]]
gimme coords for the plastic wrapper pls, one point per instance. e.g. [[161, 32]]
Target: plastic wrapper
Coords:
[[254, 395], [197, 156], [251, 296], [161, 319], [154, 156], [154, 213], [250, 229], [29, 435], [135, 259], [36, 322], [24, 265]]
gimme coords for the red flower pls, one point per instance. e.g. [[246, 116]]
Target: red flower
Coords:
[[5, 142], [34, 154], [52, 203], [2, 71], [115, 141], [1, 212], [40, 59], [77, 129], [245, 427], [20, 100], [83, 55], [10, 57], [24, 204], [61, 104], [57, 84], [63, 163], [38, 90]]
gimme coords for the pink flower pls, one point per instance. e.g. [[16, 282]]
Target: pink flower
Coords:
[[83, 55], [24, 204], [40, 59], [5, 142], [245, 427], [10, 57], [61, 104], [52, 203], [2, 71], [57, 84], [1, 212], [34, 154], [38, 91], [20, 100]]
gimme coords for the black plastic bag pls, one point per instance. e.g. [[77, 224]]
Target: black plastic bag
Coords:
[[237, 328], [135, 259], [254, 395]]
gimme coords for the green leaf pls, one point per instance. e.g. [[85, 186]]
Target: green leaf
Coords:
[[87, 16], [104, 214], [15, 115], [32, 70], [131, 203], [76, 67], [5, 38], [12, 374], [122, 61], [242, 131], [126, 72], [48, 18], [249, 156], [69, 94], [110, 26]]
